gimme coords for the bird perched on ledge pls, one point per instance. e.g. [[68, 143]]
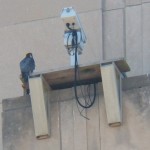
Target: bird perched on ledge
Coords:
[[27, 65]]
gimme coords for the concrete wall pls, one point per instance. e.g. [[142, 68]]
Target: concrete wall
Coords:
[[114, 28], [126, 33], [1, 143], [36, 27], [69, 130]]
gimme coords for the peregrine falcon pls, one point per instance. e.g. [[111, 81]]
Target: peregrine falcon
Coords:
[[27, 65]]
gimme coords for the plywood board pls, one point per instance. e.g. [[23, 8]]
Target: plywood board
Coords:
[[111, 95], [64, 78], [39, 101]]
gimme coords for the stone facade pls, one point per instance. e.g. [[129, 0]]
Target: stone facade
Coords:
[[114, 29]]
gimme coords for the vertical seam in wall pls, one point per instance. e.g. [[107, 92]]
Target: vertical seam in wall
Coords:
[[103, 35], [124, 28], [142, 48], [101, 17], [101, 27], [103, 54], [59, 119], [103, 58], [86, 130], [99, 122], [73, 125]]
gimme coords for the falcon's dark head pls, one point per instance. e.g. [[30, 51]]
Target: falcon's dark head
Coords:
[[29, 55]]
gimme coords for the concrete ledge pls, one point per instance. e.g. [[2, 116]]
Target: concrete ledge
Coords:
[[16, 103], [136, 82], [18, 127], [68, 94]]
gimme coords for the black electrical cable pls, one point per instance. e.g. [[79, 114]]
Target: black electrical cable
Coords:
[[87, 105], [68, 26], [68, 48], [81, 111]]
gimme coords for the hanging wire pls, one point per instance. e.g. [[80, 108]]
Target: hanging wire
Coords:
[[88, 101], [87, 104]]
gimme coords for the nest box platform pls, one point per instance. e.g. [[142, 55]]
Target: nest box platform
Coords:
[[64, 77], [109, 73]]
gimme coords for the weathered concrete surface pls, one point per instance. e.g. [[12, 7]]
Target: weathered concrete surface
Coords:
[[145, 1], [1, 144], [92, 125], [133, 2], [16, 103], [134, 134], [67, 132], [71, 131], [46, 44], [112, 4], [134, 40], [16, 11], [33, 26], [113, 22], [36, 27], [18, 128], [146, 37], [136, 82]]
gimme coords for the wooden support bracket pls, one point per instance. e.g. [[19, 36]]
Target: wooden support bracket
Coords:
[[112, 84], [109, 73], [40, 93]]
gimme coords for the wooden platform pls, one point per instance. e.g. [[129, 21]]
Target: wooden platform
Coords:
[[64, 78]]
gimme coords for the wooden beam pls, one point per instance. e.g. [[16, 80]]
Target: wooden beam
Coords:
[[111, 79], [40, 91], [64, 78]]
